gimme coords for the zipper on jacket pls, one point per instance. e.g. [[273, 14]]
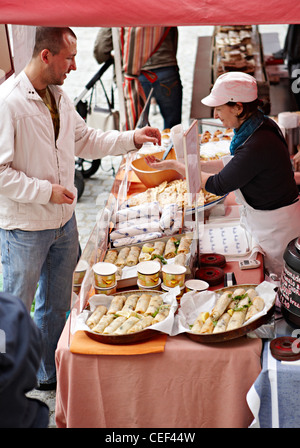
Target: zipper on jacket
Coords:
[[57, 158], [56, 149], [57, 163]]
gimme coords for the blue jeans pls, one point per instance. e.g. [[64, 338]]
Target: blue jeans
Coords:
[[167, 92], [40, 264]]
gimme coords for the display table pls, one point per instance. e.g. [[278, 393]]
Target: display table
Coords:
[[167, 382], [186, 384]]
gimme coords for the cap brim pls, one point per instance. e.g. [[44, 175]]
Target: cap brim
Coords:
[[212, 101]]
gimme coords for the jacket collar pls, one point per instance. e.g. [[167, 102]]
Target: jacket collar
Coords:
[[31, 93]]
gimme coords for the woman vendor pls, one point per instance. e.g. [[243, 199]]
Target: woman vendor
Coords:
[[259, 169]]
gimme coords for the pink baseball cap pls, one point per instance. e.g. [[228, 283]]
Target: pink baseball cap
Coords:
[[232, 86]]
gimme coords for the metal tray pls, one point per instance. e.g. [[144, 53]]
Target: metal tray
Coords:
[[205, 207], [238, 332], [132, 281], [132, 338]]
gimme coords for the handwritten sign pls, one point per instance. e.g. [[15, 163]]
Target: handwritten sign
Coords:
[[192, 162], [289, 293]]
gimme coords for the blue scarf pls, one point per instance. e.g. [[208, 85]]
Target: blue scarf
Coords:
[[245, 130]]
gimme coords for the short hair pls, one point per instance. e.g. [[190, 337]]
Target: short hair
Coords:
[[50, 38], [248, 108]]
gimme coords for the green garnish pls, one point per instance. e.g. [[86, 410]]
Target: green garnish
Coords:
[[176, 244], [160, 257], [155, 313], [237, 308], [242, 296]]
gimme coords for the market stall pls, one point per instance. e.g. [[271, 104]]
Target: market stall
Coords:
[[97, 384], [160, 390], [182, 391]]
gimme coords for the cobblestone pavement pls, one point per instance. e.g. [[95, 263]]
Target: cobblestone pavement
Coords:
[[98, 187]]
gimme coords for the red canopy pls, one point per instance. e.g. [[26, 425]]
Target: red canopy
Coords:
[[117, 13]]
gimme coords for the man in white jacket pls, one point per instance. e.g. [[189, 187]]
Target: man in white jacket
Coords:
[[40, 134]]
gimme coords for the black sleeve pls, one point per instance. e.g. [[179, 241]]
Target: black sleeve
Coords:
[[242, 168]]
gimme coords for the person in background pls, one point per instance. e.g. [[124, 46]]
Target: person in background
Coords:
[[163, 63], [259, 170], [20, 357], [40, 134]]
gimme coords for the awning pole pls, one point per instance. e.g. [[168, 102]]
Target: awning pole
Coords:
[[119, 77]]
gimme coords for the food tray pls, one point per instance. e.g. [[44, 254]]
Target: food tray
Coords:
[[132, 338], [132, 280], [191, 208], [207, 206], [238, 332]]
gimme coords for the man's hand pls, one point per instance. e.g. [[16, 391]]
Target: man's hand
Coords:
[[60, 195], [146, 134]]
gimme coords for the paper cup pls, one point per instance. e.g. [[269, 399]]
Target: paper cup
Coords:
[[79, 272], [104, 274], [196, 285], [106, 291], [76, 289], [148, 273], [148, 288], [173, 275]]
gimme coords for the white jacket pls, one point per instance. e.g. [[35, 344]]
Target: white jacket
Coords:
[[31, 160]]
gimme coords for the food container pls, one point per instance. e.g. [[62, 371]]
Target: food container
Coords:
[[80, 271], [148, 288], [173, 275], [151, 177], [106, 291], [148, 273], [196, 285], [104, 274], [76, 288], [289, 291]]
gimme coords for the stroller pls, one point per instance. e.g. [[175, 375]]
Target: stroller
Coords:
[[85, 168]]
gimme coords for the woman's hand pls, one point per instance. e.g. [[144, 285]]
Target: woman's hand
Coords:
[[146, 135], [172, 164], [169, 164], [158, 164]]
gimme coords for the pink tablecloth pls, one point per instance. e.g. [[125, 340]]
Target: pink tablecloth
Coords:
[[188, 385]]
